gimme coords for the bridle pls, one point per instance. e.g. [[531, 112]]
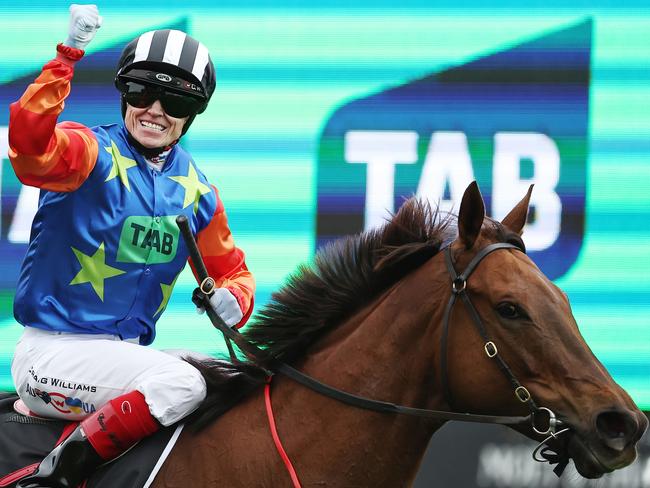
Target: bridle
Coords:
[[459, 289], [554, 426]]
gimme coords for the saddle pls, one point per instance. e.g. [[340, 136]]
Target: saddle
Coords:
[[25, 440]]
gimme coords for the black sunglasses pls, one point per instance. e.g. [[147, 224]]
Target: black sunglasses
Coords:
[[177, 105]]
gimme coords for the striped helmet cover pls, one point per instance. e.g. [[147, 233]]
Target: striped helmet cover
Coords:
[[171, 52]]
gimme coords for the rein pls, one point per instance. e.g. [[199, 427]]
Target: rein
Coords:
[[459, 285]]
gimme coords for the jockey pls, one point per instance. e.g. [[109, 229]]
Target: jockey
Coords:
[[105, 251]]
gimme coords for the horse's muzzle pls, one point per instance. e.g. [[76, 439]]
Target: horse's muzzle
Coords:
[[609, 445]]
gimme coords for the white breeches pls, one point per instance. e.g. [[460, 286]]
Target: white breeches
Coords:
[[69, 376]]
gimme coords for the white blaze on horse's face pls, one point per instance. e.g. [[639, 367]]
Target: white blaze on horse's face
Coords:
[[530, 321]]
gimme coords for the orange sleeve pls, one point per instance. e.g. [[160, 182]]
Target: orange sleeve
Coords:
[[42, 153], [225, 262]]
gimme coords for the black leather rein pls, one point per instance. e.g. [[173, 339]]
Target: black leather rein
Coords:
[[459, 285]]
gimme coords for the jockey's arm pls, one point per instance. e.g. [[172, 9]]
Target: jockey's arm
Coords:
[[44, 154], [225, 262]]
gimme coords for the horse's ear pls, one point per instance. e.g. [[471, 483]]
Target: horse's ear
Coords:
[[516, 219], [471, 215]]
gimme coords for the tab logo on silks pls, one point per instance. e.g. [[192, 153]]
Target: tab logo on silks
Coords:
[[146, 239], [508, 119]]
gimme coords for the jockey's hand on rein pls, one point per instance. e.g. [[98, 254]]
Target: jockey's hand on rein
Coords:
[[222, 302]]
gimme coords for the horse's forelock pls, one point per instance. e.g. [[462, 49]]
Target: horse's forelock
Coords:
[[500, 233]]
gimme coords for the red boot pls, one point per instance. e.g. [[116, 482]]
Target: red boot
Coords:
[[103, 436]]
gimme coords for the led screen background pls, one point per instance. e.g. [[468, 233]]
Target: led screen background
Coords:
[[283, 70]]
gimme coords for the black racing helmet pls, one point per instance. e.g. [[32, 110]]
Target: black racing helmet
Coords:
[[170, 60]]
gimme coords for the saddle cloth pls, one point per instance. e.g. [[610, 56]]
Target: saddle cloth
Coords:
[[27, 440]]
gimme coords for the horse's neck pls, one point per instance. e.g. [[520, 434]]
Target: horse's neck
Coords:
[[385, 352]]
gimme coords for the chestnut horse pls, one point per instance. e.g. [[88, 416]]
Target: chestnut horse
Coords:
[[368, 318]]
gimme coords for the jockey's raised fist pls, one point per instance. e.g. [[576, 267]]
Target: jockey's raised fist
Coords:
[[84, 22]]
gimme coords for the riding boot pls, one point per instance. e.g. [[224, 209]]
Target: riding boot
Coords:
[[67, 465], [99, 438]]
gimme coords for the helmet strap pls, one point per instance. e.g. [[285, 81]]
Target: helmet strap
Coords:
[[188, 122], [148, 152]]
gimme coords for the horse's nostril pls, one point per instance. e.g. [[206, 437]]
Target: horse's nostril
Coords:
[[616, 429]]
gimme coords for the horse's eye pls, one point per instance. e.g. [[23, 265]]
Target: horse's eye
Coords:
[[508, 310]]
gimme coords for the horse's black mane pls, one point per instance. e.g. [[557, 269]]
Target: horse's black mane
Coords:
[[345, 275]]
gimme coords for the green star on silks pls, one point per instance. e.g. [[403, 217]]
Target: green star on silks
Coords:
[[120, 165], [166, 293], [194, 189], [94, 270]]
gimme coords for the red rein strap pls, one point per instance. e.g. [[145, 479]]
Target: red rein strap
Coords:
[[276, 438]]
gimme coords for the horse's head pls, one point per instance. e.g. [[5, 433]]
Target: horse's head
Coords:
[[529, 319]]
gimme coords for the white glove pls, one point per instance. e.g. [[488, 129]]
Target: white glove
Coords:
[[225, 306], [84, 22]]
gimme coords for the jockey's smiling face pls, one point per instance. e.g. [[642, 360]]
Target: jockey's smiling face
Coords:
[[152, 126]]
